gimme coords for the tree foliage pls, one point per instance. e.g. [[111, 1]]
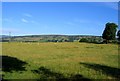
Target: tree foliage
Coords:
[[83, 40], [110, 32]]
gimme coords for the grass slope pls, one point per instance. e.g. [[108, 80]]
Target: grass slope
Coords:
[[66, 60]]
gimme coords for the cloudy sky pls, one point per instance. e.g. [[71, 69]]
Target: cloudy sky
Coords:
[[70, 18]]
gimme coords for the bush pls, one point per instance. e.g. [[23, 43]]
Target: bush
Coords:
[[114, 41], [83, 40]]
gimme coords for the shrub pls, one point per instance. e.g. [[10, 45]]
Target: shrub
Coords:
[[83, 40]]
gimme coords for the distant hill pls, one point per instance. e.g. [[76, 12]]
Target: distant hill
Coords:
[[50, 38], [4, 36]]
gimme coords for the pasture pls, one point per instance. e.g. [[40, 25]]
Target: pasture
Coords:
[[55, 61]]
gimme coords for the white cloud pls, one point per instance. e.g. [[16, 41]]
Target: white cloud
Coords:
[[27, 15], [24, 20]]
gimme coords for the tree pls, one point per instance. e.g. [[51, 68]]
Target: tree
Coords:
[[83, 40], [110, 32]]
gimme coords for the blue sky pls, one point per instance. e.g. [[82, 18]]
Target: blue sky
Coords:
[[69, 18]]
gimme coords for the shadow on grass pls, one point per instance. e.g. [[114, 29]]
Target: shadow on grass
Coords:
[[10, 64], [111, 71], [48, 75]]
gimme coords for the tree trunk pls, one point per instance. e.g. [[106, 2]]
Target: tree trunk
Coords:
[[106, 41]]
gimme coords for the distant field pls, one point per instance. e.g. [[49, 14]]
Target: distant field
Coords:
[[60, 60]]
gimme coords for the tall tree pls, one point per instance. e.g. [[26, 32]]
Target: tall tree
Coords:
[[110, 32]]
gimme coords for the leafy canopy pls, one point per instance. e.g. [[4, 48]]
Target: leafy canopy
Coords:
[[110, 31]]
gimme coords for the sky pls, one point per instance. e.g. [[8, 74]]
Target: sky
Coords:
[[60, 0], [63, 18]]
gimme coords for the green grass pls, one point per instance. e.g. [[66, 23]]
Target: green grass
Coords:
[[66, 59]]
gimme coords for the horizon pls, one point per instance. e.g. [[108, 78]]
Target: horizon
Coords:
[[57, 18], [50, 34]]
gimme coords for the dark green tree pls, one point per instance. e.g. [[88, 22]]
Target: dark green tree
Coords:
[[110, 32], [83, 40]]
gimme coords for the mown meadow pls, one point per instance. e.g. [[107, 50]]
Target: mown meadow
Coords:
[[54, 61]]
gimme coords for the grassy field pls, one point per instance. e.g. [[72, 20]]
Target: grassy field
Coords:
[[59, 60]]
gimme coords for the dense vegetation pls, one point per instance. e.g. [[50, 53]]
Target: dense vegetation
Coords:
[[51, 38]]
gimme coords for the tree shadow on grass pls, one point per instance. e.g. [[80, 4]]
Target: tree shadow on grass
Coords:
[[10, 64], [111, 71], [48, 75]]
